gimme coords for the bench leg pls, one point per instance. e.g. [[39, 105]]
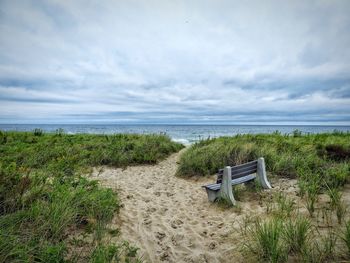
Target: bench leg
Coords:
[[226, 186], [212, 195], [261, 172]]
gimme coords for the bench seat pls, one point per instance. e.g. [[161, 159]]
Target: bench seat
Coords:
[[216, 187]]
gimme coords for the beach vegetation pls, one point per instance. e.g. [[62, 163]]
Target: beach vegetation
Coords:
[[296, 233], [266, 241], [319, 162], [45, 199], [285, 155], [285, 205], [345, 236]]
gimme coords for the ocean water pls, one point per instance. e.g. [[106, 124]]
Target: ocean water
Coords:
[[186, 134]]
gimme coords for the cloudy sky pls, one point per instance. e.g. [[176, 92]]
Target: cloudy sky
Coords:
[[175, 61]]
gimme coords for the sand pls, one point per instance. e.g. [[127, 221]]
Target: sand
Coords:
[[170, 219]]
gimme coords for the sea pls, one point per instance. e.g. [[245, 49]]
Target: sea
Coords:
[[186, 134]]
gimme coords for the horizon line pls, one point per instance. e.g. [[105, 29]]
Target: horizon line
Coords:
[[186, 124]]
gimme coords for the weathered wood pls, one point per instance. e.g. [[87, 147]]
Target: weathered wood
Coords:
[[216, 187], [240, 171], [239, 174], [243, 179]]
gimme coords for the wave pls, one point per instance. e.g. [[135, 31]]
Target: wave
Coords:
[[183, 141]]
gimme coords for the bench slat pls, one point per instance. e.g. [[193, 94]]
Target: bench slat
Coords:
[[238, 168], [243, 179], [243, 173], [216, 187], [240, 173]]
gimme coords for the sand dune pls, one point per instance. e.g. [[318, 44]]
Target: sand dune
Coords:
[[170, 218]]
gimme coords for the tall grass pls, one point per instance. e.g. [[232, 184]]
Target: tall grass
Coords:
[[295, 238], [285, 206], [336, 203], [296, 234], [113, 253], [346, 237], [321, 156], [44, 199], [318, 161], [266, 241]]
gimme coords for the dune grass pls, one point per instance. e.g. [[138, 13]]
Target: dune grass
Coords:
[[266, 241], [320, 162], [346, 237], [317, 159], [44, 199], [295, 238]]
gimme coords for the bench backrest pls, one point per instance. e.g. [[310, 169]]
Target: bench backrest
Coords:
[[239, 171]]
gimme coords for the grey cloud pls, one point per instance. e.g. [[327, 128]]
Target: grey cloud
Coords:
[[155, 61]]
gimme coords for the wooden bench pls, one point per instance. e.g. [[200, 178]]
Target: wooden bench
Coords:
[[234, 175]]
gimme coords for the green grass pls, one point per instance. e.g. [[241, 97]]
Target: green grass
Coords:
[[44, 198], [113, 253], [318, 160], [296, 234], [285, 155], [346, 237], [293, 239], [266, 241], [285, 206]]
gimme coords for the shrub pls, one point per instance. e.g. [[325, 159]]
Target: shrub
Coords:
[[38, 132], [297, 133], [337, 152]]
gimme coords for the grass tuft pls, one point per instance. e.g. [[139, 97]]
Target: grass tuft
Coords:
[[296, 234], [266, 241], [346, 237]]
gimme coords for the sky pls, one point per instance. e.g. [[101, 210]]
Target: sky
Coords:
[[175, 61]]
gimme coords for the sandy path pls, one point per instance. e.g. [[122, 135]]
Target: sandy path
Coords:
[[170, 218]]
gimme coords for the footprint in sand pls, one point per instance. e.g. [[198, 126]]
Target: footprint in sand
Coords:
[[213, 245], [151, 210], [167, 221], [160, 235], [162, 211], [197, 259], [149, 185], [176, 239], [193, 223], [147, 221], [176, 223], [165, 254]]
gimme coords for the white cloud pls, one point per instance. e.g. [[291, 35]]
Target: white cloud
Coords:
[[186, 59]]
